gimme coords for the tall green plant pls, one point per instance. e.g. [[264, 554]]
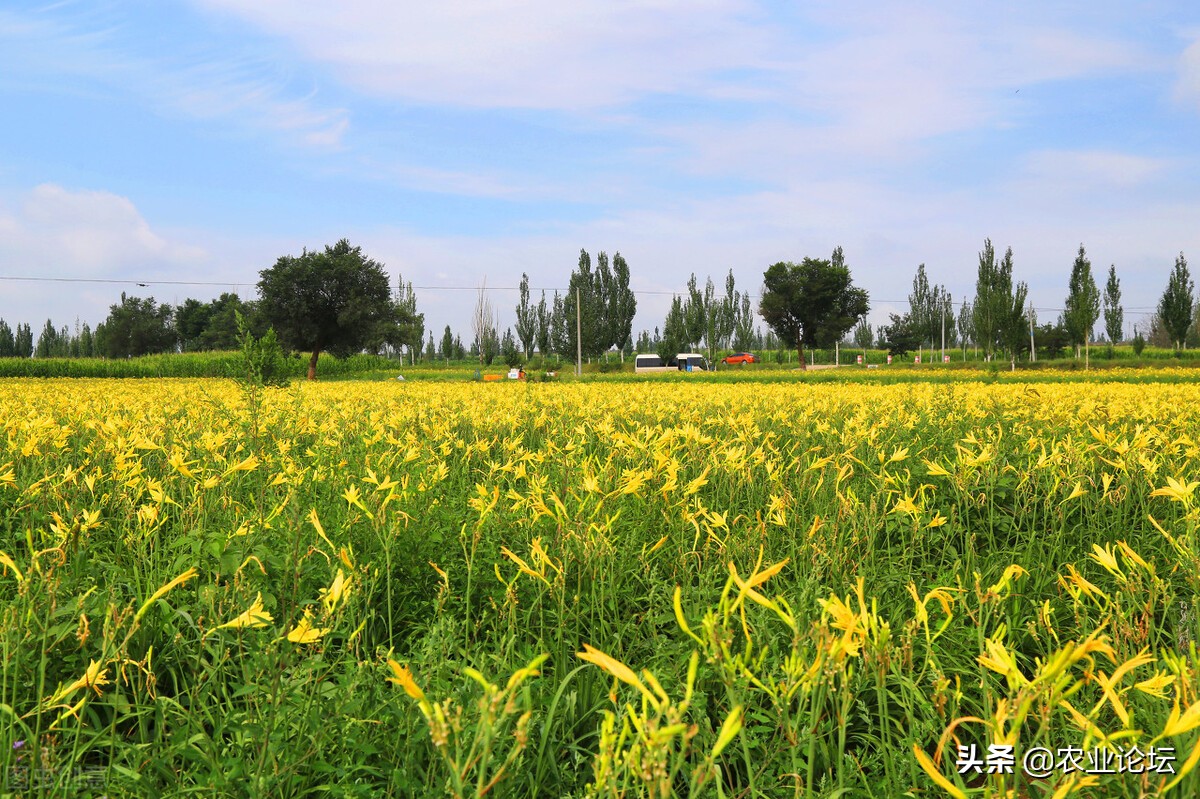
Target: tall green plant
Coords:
[[262, 357]]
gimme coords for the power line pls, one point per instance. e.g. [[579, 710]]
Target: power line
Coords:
[[148, 282], [133, 282]]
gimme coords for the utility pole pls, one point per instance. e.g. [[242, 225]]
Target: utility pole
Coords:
[[943, 332], [864, 321], [578, 337], [1032, 348]]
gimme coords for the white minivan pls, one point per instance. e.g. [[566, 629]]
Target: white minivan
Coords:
[[683, 362]]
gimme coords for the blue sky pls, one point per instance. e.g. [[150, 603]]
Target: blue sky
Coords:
[[197, 141]]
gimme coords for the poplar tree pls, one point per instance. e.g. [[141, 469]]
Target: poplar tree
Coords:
[[579, 311], [1175, 307], [562, 341], [921, 302], [966, 326], [606, 307], [1114, 314], [23, 340], [527, 323], [8, 342], [543, 326], [864, 337], [986, 308], [1082, 304], [674, 332], [622, 305], [743, 327], [693, 313], [998, 313]]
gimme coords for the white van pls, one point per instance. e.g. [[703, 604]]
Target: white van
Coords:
[[683, 362]]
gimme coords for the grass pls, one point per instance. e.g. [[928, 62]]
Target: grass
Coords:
[[188, 364], [611, 587]]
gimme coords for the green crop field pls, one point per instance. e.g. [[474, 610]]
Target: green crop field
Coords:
[[616, 587]]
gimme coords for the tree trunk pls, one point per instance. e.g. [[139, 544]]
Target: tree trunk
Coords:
[[312, 365], [800, 354]]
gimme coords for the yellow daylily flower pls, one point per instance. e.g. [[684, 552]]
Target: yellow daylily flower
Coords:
[[1076, 492], [617, 669], [1156, 685], [160, 593], [336, 593], [253, 616], [1177, 491], [403, 677], [1011, 573], [9, 565], [94, 677], [936, 469], [1105, 557], [304, 632]]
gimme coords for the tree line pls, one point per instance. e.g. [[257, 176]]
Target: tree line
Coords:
[[340, 301], [1000, 321], [594, 316], [336, 300]]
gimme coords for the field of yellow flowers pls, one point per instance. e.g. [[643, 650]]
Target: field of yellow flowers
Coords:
[[599, 589]]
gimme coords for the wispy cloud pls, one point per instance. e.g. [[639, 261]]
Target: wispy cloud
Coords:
[[768, 97], [1097, 169], [540, 54], [1187, 87], [73, 51]]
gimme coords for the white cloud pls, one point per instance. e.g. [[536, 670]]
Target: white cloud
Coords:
[[881, 86], [870, 81], [1187, 87], [1072, 170], [524, 54], [54, 232], [93, 231]]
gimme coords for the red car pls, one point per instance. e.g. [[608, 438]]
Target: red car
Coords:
[[742, 358]]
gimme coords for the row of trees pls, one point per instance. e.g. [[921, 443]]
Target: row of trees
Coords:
[[706, 320], [595, 316], [336, 300], [135, 326], [813, 304], [339, 301], [18, 344], [1000, 321], [807, 305]]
